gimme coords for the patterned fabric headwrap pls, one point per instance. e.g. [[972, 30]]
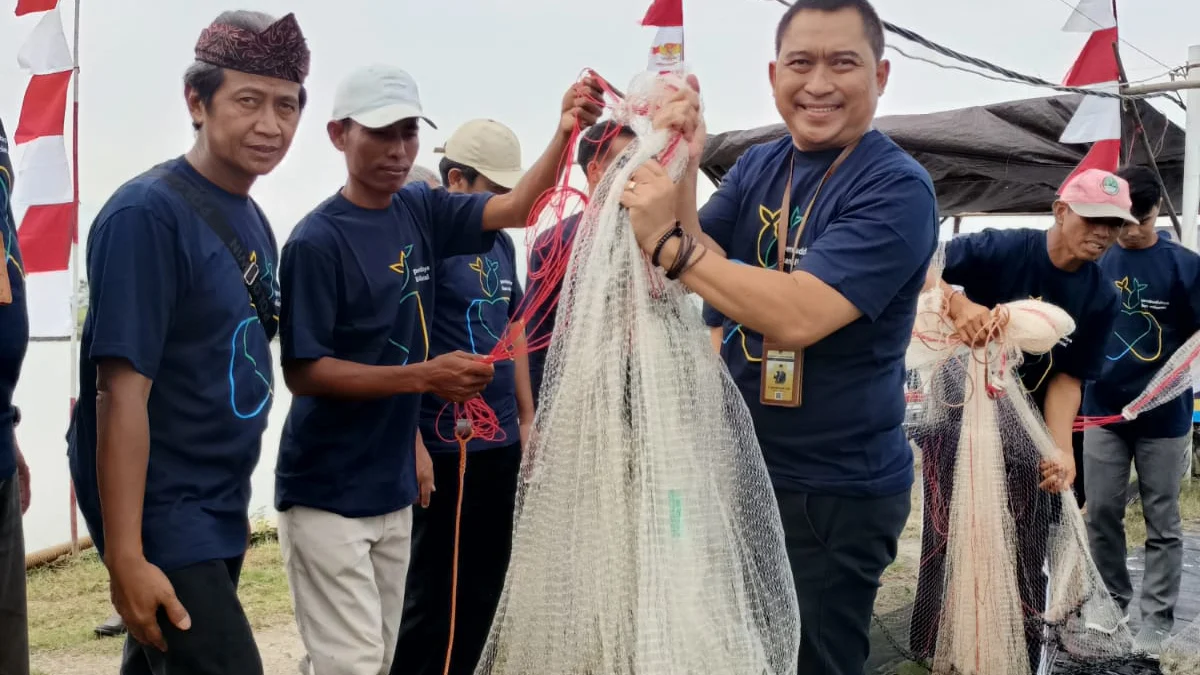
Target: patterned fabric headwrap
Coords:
[[280, 51]]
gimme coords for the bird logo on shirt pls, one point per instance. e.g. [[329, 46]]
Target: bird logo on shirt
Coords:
[[409, 302], [488, 270], [1138, 330], [767, 259]]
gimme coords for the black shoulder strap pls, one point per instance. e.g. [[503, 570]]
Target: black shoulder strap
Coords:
[[260, 294]]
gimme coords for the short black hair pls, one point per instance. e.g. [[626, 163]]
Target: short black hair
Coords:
[[444, 167], [1144, 189], [598, 139], [872, 25], [205, 78]]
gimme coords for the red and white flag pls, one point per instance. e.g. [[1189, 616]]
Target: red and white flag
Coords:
[[44, 183], [1097, 120], [666, 52]]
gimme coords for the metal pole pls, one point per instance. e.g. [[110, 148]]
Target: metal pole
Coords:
[[74, 355], [1140, 132], [1191, 156]]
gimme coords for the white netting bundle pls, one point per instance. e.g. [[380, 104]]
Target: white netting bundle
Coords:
[[646, 540], [1181, 653], [1006, 579]]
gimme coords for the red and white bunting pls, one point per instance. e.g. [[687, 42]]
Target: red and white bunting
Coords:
[[1097, 120], [666, 52], [44, 182]]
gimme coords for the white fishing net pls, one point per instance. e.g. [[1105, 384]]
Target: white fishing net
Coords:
[[1181, 652], [1006, 584], [646, 539]]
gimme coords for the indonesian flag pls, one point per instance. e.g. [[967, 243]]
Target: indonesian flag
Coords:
[[1097, 120], [44, 185], [666, 52]]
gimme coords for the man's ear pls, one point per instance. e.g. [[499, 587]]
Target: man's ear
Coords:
[[337, 134], [771, 74], [883, 70], [195, 106], [1060, 211]]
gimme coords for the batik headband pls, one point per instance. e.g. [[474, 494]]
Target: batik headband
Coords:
[[280, 51]]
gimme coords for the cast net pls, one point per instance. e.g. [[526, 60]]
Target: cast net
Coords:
[[1006, 584], [646, 539]]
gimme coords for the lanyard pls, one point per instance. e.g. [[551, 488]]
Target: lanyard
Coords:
[[781, 225]]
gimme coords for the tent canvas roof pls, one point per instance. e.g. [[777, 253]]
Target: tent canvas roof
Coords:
[[1003, 158]]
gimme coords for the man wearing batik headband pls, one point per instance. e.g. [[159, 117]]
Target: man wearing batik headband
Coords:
[[175, 366]]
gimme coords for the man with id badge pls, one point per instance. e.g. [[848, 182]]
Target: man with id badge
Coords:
[[814, 330]]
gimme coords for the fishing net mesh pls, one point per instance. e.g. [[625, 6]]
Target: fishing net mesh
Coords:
[[1181, 653], [646, 538], [1006, 584]]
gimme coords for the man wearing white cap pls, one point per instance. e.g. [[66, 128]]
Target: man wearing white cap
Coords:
[[358, 276], [477, 297]]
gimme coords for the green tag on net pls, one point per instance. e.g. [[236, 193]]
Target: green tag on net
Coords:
[[675, 504]]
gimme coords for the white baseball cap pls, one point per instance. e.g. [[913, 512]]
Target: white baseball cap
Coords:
[[377, 96], [490, 148]]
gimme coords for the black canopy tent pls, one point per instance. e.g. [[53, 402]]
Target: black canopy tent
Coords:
[[999, 159]]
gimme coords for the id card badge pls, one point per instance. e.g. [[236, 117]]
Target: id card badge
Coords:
[[782, 375], [5, 288]]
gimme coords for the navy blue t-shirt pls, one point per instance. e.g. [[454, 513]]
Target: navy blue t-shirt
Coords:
[[1160, 309], [998, 266], [14, 319], [871, 235], [167, 296], [542, 316], [358, 285], [475, 299]]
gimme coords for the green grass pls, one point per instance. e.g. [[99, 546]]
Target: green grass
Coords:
[[69, 598], [1189, 508]]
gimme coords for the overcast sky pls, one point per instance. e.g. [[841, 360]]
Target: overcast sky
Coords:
[[513, 59]]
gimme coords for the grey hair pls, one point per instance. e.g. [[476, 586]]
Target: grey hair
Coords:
[[205, 78], [420, 174]]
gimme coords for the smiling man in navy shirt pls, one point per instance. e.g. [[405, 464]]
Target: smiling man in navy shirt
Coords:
[[859, 223], [14, 474], [175, 368], [358, 276], [1159, 284]]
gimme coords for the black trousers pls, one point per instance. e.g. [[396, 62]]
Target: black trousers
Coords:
[[1034, 511], [838, 548], [14, 615], [485, 543], [219, 642]]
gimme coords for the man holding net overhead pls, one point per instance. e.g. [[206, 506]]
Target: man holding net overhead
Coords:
[[819, 324], [358, 276], [598, 146]]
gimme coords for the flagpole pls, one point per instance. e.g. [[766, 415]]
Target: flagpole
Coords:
[[74, 355]]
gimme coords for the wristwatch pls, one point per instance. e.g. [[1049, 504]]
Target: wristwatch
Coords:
[[16, 416]]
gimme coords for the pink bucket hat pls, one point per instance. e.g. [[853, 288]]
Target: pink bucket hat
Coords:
[[1096, 193]]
